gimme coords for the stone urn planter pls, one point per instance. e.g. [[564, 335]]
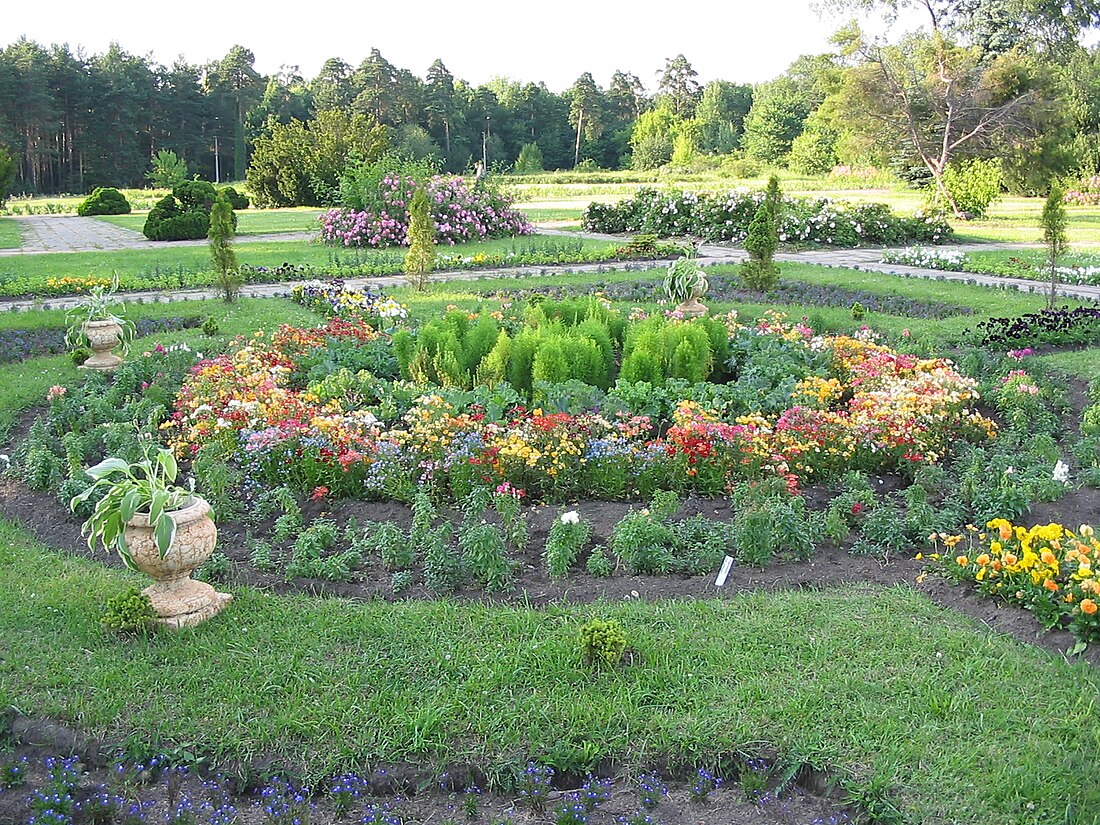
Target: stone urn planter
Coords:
[[691, 307], [156, 527], [102, 337], [178, 600]]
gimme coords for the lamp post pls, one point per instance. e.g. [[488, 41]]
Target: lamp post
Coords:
[[485, 146]]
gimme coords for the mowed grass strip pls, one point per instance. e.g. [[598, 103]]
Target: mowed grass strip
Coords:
[[174, 266], [10, 236], [959, 724], [249, 221]]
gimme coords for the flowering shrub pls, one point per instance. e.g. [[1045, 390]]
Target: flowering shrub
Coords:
[[459, 214], [726, 217], [1046, 569], [873, 408], [952, 260]]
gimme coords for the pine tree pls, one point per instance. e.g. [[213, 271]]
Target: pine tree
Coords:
[[222, 231], [420, 259], [1054, 223]]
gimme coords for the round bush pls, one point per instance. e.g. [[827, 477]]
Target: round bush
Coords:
[[104, 201], [187, 226], [195, 195], [236, 199]]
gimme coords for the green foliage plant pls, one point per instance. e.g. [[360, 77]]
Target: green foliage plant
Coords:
[[1054, 222], [760, 271], [126, 489], [8, 170], [168, 170], [420, 259], [529, 161], [973, 185], [221, 234], [685, 279], [130, 612], [602, 643], [568, 536], [598, 563], [105, 200], [100, 304]]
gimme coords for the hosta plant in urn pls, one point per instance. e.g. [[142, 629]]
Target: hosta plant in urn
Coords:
[[685, 284], [96, 323], [157, 528]]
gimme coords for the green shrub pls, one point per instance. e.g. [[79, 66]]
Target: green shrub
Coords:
[[236, 199], [974, 185], [760, 272], [195, 195], [568, 536], [598, 563], [104, 201], [602, 643], [529, 160], [168, 170], [129, 612]]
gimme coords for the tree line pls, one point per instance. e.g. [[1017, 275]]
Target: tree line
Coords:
[[981, 78]]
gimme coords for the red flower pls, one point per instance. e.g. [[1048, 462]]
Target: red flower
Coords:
[[319, 493], [857, 508]]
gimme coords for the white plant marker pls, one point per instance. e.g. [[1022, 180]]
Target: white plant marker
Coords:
[[723, 574]]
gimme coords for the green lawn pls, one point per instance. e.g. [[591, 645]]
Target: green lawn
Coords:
[[909, 702], [10, 236], [1084, 363], [947, 720], [249, 221], [175, 266]]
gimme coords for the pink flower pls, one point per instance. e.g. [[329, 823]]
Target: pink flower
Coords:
[[55, 392]]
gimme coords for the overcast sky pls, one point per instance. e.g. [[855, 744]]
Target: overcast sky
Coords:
[[545, 40]]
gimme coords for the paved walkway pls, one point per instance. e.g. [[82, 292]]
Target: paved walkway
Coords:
[[46, 233]]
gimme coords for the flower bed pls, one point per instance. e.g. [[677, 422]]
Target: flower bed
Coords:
[[1047, 569], [361, 435], [459, 214], [1015, 266], [726, 217]]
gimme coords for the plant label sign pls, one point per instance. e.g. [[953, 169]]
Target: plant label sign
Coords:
[[723, 573]]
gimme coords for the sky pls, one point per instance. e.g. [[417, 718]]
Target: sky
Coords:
[[553, 42]]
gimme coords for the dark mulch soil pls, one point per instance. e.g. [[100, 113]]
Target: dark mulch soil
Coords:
[[51, 524], [414, 793]]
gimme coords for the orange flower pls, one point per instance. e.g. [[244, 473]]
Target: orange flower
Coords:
[[983, 559], [1048, 558], [1010, 559], [1051, 585], [1005, 532], [962, 561], [1088, 606]]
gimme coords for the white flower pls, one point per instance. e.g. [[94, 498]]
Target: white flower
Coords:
[[1061, 472], [1009, 470], [572, 517]]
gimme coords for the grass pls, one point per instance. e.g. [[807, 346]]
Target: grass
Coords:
[[1084, 363], [861, 678], [10, 236], [173, 266], [249, 221]]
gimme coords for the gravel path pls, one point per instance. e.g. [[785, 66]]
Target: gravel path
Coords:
[[44, 234]]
